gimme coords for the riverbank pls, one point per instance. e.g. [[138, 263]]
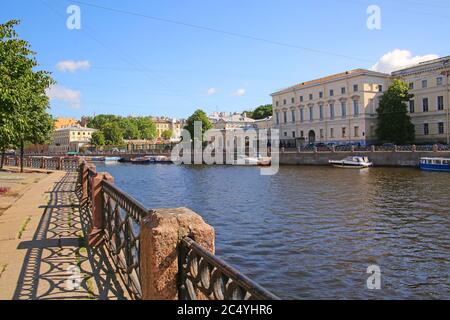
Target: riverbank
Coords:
[[379, 158]]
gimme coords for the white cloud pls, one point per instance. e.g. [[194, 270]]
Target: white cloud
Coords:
[[73, 97], [239, 92], [72, 66], [398, 59], [211, 91]]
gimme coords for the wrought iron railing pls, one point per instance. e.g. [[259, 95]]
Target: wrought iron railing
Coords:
[[49, 163], [205, 276], [122, 216]]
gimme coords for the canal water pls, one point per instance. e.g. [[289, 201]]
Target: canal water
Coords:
[[312, 232]]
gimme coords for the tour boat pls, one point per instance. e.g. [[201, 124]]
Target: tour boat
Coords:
[[435, 164], [353, 162], [112, 159], [161, 159]]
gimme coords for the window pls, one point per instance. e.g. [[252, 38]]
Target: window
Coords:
[[311, 113], [321, 112], [343, 90], [321, 133], [355, 88], [302, 118], [302, 135], [332, 132], [276, 103], [331, 92], [440, 103], [310, 96], [292, 100], [320, 94], [380, 88], [356, 131], [285, 134], [301, 98], [411, 106], [293, 115], [278, 118], [344, 133], [425, 104], [411, 85], [331, 111], [356, 107], [343, 109], [424, 83], [293, 134], [426, 130], [441, 128], [285, 116], [439, 81], [284, 101]]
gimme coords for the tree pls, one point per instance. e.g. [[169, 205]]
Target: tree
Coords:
[[262, 112], [23, 99], [113, 134], [394, 123], [98, 138], [167, 134], [146, 127], [198, 115]]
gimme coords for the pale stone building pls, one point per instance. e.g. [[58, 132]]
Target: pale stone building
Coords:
[[70, 139], [338, 109], [234, 121], [429, 108]]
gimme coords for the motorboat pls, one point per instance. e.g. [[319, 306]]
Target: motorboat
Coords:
[[352, 162], [435, 164], [141, 160], [161, 159], [257, 160]]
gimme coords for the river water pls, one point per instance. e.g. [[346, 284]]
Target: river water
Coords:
[[312, 232]]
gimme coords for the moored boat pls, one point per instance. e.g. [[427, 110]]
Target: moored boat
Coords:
[[141, 160], [352, 162], [435, 164]]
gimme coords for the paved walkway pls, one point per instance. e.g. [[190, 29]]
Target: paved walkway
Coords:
[[42, 246]]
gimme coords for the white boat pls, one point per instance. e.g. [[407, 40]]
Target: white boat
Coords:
[[253, 161], [352, 162]]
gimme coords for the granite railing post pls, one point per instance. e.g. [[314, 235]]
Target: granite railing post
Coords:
[[161, 233], [96, 234], [435, 148], [413, 148], [373, 148]]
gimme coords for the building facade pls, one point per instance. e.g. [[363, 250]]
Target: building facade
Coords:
[[337, 109], [70, 139], [163, 124], [62, 122], [429, 108]]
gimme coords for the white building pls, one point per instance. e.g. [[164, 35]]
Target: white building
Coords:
[[70, 139], [340, 109]]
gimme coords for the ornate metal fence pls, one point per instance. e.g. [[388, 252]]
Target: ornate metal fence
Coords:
[[203, 275], [49, 163], [122, 216]]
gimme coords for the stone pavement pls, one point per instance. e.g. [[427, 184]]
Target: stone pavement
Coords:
[[42, 247]]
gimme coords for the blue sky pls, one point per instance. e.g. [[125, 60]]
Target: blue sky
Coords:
[[132, 65]]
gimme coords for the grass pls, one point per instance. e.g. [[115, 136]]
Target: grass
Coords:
[[90, 288], [23, 227]]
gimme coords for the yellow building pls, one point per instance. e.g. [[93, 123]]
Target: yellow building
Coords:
[[62, 122], [164, 124], [429, 108], [340, 109]]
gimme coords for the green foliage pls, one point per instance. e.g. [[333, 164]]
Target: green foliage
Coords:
[[260, 112], [394, 123], [130, 128], [167, 134], [23, 99], [198, 115], [113, 134], [98, 138]]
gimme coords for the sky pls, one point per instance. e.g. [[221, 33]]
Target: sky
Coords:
[[171, 57]]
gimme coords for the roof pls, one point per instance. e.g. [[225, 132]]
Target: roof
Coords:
[[75, 128], [337, 76], [423, 64]]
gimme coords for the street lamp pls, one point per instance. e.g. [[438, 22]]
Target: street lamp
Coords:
[[446, 73]]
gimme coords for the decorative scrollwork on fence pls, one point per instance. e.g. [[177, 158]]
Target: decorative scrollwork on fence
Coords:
[[204, 276], [122, 216]]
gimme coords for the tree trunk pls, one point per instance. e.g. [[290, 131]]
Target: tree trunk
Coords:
[[3, 159], [21, 156]]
